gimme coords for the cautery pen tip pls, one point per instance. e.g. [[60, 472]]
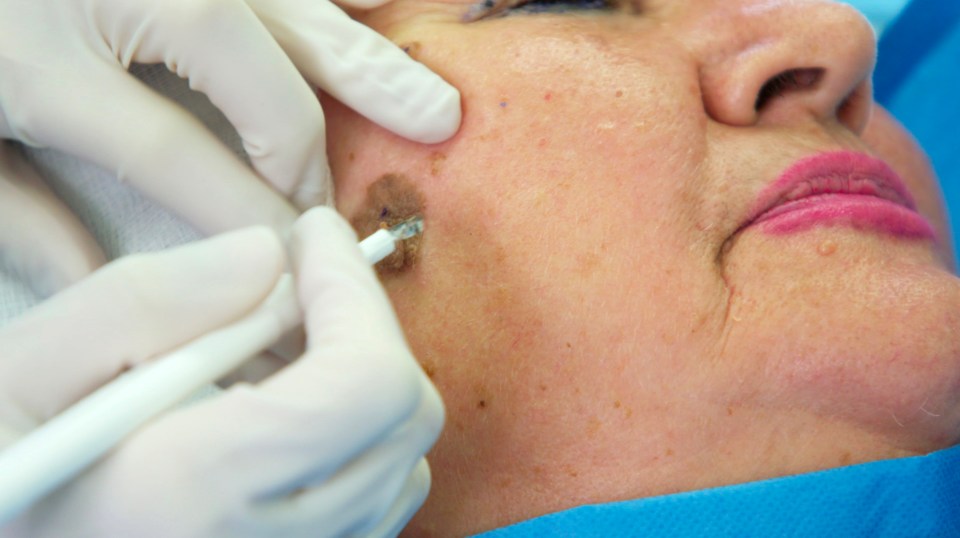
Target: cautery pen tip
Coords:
[[407, 229]]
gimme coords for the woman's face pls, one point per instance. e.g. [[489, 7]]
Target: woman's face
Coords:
[[595, 296]]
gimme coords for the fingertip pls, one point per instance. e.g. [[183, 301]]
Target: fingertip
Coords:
[[442, 120], [428, 108], [408, 502], [315, 190], [388, 86], [331, 272], [435, 412], [322, 221], [423, 479], [322, 242], [417, 489]]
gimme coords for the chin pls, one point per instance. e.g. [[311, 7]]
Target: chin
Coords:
[[864, 331]]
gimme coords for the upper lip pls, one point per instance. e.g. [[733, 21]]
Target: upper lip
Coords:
[[841, 172]]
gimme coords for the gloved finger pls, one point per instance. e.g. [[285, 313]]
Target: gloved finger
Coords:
[[129, 311], [362, 69], [226, 53], [408, 502], [356, 352], [362, 493], [378, 476], [117, 122], [354, 386], [40, 238], [333, 510]]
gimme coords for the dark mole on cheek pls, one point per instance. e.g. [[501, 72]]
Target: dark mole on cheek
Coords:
[[391, 200], [412, 49]]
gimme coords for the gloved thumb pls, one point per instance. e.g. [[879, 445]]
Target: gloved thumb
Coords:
[[127, 312]]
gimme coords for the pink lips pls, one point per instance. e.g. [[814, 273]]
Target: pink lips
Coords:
[[840, 188]]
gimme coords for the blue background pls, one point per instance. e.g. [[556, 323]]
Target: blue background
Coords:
[[880, 12]]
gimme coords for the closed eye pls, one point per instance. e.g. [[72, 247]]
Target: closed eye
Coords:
[[497, 8], [560, 6]]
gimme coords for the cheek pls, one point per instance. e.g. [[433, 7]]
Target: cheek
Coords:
[[525, 101], [859, 332], [555, 203]]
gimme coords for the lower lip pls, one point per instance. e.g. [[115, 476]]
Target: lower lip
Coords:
[[857, 211]]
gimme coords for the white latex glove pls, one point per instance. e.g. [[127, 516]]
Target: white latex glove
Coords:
[[64, 84], [332, 445]]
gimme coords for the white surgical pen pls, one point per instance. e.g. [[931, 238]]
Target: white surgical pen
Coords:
[[61, 448]]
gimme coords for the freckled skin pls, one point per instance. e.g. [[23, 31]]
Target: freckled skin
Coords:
[[581, 251]]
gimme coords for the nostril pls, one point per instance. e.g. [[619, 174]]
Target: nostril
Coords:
[[854, 111], [788, 81]]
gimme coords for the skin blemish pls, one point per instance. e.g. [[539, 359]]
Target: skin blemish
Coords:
[[619, 93], [503, 104], [593, 427], [412, 49], [548, 96], [436, 163], [827, 248], [391, 200]]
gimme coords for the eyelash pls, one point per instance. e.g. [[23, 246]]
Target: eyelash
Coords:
[[491, 9], [560, 6]]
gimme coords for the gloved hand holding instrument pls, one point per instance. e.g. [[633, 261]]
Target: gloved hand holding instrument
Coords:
[[331, 445], [64, 84]]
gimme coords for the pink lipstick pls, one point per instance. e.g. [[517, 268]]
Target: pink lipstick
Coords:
[[840, 188]]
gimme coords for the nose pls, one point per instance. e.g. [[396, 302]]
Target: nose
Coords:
[[775, 62]]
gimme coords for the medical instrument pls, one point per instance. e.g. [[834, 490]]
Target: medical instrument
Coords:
[[65, 445]]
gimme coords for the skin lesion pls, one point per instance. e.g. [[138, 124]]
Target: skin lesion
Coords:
[[390, 200]]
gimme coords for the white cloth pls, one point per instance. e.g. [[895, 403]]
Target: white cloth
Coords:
[[122, 220]]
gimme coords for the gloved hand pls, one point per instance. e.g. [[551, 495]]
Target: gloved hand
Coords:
[[332, 445], [64, 84]]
